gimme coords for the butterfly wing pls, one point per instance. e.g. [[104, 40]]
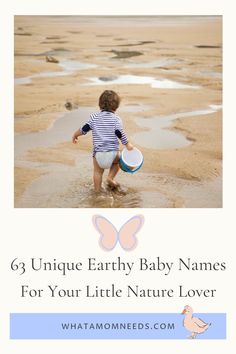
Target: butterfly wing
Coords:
[[108, 233], [127, 234]]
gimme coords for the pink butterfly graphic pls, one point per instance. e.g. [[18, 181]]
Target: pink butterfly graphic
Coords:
[[109, 236]]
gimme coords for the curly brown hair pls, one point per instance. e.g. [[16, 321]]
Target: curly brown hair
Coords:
[[109, 101]]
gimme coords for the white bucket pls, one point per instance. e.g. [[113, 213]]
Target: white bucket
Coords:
[[131, 160]]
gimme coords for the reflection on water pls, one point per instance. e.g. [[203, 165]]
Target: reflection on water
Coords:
[[141, 80]]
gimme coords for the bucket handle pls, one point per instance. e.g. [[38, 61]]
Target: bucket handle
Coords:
[[136, 168]]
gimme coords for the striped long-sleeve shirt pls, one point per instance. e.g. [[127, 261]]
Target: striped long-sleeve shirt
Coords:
[[106, 129]]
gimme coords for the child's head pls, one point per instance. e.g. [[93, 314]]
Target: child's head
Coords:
[[109, 101]]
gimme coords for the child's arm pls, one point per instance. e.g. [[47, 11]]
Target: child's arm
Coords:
[[76, 135], [81, 131], [120, 133]]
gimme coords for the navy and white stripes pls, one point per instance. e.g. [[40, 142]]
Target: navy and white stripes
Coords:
[[104, 125]]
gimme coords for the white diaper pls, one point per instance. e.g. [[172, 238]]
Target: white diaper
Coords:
[[105, 158]]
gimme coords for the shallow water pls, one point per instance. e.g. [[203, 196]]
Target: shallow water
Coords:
[[154, 64], [214, 74], [135, 108], [141, 80], [158, 137], [71, 186], [61, 131], [66, 186], [69, 67], [75, 65]]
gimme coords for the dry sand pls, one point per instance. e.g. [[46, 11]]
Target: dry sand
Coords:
[[186, 50]]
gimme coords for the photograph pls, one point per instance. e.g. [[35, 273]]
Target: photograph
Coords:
[[118, 111]]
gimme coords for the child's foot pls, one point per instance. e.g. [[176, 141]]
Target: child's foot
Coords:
[[111, 183]]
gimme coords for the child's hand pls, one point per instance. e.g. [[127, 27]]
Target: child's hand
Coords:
[[129, 146], [74, 139], [75, 136]]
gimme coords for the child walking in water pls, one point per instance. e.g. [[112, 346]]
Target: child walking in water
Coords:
[[106, 128]]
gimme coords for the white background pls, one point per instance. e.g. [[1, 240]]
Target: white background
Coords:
[[68, 234]]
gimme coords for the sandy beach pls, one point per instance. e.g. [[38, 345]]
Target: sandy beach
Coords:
[[168, 72]]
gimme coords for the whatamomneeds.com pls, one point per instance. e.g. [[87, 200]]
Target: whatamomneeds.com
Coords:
[[71, 326]]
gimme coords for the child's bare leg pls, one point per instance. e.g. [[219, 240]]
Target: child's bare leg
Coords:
[[113, 171], [97, 175]]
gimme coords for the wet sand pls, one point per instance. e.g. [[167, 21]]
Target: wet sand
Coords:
[[169, 75]]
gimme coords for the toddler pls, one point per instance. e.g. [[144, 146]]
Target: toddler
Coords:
[[106, 128]]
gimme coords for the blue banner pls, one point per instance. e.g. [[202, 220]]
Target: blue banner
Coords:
[[112, 326]]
